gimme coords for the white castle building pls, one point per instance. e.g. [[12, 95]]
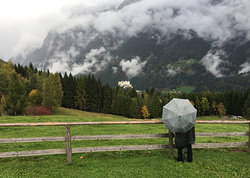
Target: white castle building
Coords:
[[125, 84]]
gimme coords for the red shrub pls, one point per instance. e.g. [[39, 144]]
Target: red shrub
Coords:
[[39, 110]]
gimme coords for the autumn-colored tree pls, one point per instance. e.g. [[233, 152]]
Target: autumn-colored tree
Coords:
[[221, 109], [35, 97], [145, 112]]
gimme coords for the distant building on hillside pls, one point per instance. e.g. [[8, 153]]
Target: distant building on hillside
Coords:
[[139, 92], [125, 84]]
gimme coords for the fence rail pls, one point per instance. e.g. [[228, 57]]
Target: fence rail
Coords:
[[68, 138], [115, 122]]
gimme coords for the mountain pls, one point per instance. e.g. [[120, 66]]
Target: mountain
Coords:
[[152, 44]]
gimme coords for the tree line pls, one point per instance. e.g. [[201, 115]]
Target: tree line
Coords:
[[25, 87]]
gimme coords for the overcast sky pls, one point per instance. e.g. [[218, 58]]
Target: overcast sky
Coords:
[[28, 21], [25, 23]]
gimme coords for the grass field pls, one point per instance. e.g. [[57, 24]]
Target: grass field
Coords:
[[186, 89], [207, 162]]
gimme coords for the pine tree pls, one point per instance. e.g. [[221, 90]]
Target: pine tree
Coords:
[[69, 91], [154, 107], [121, 102], [100, 98], [107, 99], [16, 98], [246, 108], [91, 94], [135, 108], [80, 98], [198, 105], [52, 91]]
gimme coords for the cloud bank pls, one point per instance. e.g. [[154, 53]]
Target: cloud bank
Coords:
[[213, 21], [216, 21], [91, 64]]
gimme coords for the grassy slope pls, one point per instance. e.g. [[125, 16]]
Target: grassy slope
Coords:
[[212, 163], [186, 89]]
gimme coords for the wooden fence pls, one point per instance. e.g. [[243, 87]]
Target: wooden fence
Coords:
[[68, 138]]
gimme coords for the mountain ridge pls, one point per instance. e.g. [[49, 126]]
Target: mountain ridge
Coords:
[[124, 48]]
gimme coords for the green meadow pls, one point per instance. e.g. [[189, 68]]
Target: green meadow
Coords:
[[233, 162]]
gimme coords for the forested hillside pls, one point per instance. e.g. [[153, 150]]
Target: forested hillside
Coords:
[[26, 90]]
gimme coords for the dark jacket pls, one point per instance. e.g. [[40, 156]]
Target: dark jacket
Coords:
[[182, 139]]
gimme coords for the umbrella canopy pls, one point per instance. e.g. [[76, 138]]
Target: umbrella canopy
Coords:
[[179, 115]]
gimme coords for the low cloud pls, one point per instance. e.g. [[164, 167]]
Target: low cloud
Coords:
[[132, 67], [172, 72], [245, 67], [212, 61], [60, 62], [95, 61], [114, 69]]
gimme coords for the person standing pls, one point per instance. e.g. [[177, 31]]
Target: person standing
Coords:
[[183, 140]]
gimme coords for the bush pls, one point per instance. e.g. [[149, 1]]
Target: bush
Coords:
[[39, 110]]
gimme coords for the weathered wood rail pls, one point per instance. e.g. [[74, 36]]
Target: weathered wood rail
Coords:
[[68, 138]]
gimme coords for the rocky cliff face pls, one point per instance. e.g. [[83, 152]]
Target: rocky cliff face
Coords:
[[153, 44]]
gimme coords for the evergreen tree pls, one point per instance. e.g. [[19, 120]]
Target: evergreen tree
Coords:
[[16, 98], [69, 91], [121, 102], [198, 105], [100, 95], [91, 94], [107, 99], [135, 108], [80, 98], [52, 91], [155, 106], [246, 108]]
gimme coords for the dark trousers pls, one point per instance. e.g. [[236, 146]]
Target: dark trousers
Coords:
[[189, 153]]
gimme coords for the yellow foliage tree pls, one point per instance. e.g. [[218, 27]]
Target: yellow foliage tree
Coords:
[[35, 97], [221, 109], [145, 112]]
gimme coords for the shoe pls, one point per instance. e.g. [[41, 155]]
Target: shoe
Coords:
[[180, 160]]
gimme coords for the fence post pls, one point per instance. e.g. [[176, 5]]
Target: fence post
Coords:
[[68, 148], [171, 144], [248, 138]]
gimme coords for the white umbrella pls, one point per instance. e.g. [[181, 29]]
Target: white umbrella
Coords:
[[179, 115]]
